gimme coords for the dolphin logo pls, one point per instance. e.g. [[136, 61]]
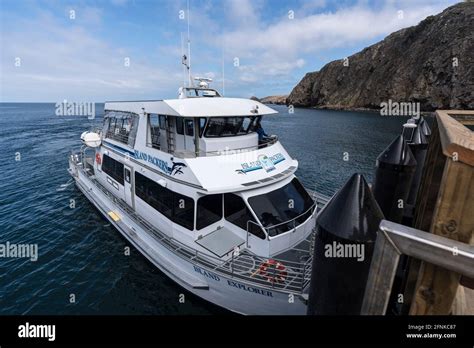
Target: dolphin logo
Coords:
[[176, 168]]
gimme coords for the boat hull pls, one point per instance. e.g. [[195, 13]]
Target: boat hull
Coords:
[[218, 288]]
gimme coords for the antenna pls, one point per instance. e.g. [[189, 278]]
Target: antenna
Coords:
[[184, 64], [190, 81], [223, 69]]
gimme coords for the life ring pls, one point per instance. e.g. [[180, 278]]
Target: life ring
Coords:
[[278, 275], [97, 158]]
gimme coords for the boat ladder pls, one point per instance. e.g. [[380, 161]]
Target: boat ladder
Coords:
[[170, 135]]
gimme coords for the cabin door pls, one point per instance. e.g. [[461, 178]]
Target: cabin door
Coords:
[[128, 186], [189, 135]]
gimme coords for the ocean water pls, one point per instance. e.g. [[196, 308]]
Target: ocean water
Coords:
[[82, 257]]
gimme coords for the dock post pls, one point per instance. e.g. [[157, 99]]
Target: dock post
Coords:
[[425, 129], [347, 225], [419, 148], [394, 172]]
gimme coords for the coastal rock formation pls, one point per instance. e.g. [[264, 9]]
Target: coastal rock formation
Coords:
[[254, 98], [431, 63], [274, 99]]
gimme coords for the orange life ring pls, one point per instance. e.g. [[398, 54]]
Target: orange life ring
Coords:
[[97, 158], [277, 276]]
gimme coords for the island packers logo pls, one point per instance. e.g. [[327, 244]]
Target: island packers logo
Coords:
[[175, 168], [266, 163], [263, 162]]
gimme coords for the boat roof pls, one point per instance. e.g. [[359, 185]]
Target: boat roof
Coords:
[[194, 107]]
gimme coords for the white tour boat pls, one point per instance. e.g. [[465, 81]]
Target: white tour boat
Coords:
[[193, 185]]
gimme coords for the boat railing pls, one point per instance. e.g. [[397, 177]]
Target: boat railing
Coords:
[[97, 130], [320, 201], [227, 151], [82, 159], [287, 226], [319, 198], [121, 137], [240, 265]]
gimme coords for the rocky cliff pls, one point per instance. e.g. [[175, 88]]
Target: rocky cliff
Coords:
[[274, 99], [431, 63]]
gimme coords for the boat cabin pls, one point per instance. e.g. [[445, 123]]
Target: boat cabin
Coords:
[[201, 168], [185, 128]]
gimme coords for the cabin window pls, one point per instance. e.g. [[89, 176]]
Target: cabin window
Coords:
[[287, 207], [121, 126], [209, 210], [163, 122], [127, 176], [105, 127], [183, 210], [154, 194], [228, 126], [237, 213], [179, 125], [200, 92], [113, 168], [189, 127], [154, 131], [247, 121], [176, 207]]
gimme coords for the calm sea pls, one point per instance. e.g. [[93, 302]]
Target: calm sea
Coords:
[[82, 257]]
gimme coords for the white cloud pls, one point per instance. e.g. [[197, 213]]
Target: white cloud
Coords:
[[68, 62], [274, 48], [253, 72], [321, 31], [243, 13], [61, 61]]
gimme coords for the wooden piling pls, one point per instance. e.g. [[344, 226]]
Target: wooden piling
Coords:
[[445, 207]]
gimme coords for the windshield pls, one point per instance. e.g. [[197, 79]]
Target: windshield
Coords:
[[284, 208], [229, 126], [201, 92]]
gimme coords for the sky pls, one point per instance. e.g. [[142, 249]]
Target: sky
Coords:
[[98, 50]]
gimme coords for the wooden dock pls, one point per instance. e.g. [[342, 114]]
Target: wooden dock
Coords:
[[445, 207], [440, 246]]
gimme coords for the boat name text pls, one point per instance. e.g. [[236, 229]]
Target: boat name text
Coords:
[[233, 283], [250, 288], [207, 274], [175, 168]]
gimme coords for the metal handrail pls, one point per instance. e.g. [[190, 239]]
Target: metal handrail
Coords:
[[294, 219], [394, 240], [281, 223], [97, 130], [192, 154], [319, 198], [123, 138], [272, 141], [297, 271]]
